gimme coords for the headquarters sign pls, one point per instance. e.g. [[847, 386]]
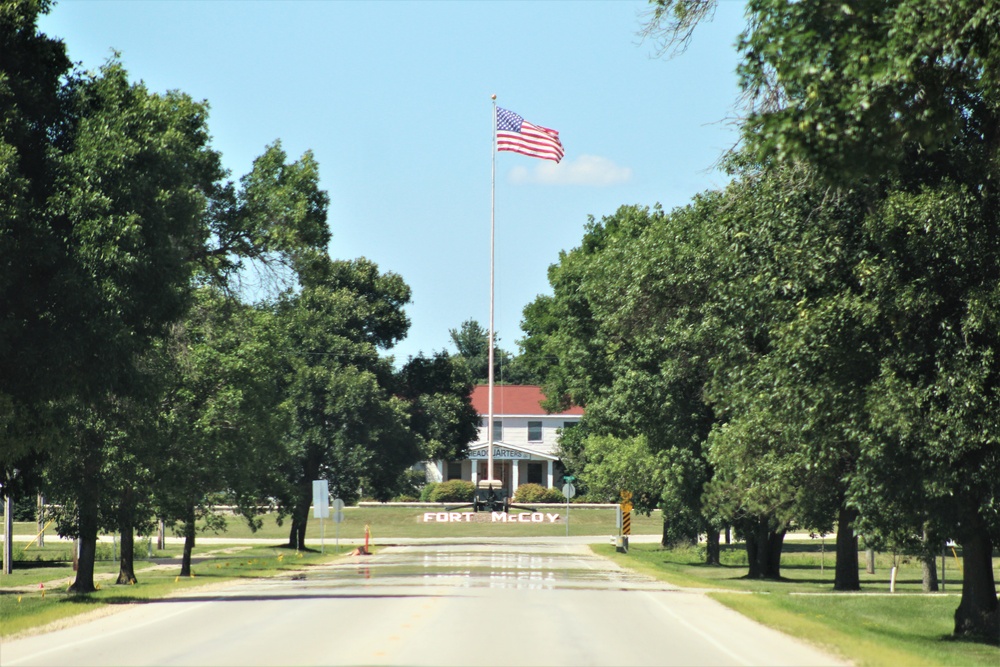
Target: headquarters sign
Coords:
[[502, 453]]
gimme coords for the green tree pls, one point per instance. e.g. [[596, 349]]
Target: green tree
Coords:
[[101, 479], [131, 200], [271, 229], [127, 203], [222, 416], [471, 341], [224, 401], [346, 424], [38, 361], [933, 285], [438, 392], [900, 100], [617, 338]]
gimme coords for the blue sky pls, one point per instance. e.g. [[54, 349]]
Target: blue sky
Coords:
[[393, 98]]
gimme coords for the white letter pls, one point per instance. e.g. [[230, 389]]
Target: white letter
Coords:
[[552, 517], [538, 517], [428, 516], [499, 516]]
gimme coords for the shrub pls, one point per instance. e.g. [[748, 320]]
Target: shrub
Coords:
[[529, 493], [404, 498], [553, 496], [425, 493], [536, 493], [456, 490]]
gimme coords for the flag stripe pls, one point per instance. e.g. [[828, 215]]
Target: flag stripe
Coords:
[[519, 136]]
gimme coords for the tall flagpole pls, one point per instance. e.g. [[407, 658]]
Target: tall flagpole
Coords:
[[493, 188]]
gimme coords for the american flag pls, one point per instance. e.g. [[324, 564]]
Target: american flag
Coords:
[[518, 135]]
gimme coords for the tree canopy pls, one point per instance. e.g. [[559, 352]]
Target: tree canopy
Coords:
[[143, 376]]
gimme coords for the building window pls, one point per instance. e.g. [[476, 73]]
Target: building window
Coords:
[[535, 473], [454, 470], [497, 430], [569, 425], [534, 431]]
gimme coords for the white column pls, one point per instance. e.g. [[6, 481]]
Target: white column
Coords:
[[439, 464], [515, 475], [474, 464], [548, 471]]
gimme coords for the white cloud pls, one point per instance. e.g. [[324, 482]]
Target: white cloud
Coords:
[[588, 170]]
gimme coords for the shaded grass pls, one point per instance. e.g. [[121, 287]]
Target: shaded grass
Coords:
[[870, 628], [22, 610]]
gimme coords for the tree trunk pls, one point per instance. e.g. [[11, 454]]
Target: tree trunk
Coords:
[[8, 531], [189, 530], [712, 547], [88, 517], [929, 582], [126, 567], [978, 614], [302, 522], [764, 549], [869, 560], [297, 534], [299, 521], [846, 575], [300, 509], [665, 538], [776, 540]]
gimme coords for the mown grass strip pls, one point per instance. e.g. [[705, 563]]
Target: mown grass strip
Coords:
[[871, 628]]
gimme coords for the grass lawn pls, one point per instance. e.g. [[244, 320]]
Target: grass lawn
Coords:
[[870, 628], [387, 522], [390, 522]]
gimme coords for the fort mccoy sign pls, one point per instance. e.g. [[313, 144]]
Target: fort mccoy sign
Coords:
[[490, 517]]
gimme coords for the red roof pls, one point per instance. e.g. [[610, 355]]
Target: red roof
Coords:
[[524, 399]]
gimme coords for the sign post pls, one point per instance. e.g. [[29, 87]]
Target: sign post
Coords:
[[569, 491], [321, 508], [625, 523]]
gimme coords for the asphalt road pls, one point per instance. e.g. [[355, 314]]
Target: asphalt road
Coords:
[[499, 603]]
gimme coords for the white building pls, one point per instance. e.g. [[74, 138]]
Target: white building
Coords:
[[525, 440]]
